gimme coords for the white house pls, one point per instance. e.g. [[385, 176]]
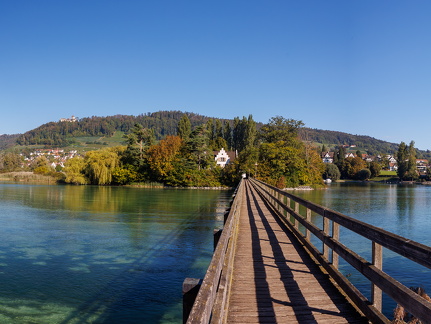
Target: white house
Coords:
[[222, 157], [328, 157]]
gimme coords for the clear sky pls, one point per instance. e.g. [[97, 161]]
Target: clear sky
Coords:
[[361, 67]]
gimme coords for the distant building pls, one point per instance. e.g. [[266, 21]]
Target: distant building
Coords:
[[72, 119], [328, 157], [222, 157]]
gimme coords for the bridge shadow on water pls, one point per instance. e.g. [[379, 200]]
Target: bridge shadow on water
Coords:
[[128, 297], [296, 299]]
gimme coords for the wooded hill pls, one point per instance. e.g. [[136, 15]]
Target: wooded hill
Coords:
[[62, 134]]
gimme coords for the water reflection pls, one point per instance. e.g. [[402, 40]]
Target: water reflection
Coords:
[[73, 254]]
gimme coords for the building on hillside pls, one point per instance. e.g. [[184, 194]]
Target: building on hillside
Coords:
[[72, 119], [328, 157], [222, 157]]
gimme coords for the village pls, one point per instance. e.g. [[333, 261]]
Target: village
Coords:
[[55, 157], [388, 162]]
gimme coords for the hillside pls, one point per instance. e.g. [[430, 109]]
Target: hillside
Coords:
[[8, 141], [102, 130]]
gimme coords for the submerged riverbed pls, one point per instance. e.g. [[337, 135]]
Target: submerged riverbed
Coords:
[[84, 254]]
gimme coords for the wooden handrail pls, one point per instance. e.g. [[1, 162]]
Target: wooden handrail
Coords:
[[212, 296], [419, 253]]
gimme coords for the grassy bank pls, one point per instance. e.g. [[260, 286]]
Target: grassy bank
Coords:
[[28, 177], [386, 176]]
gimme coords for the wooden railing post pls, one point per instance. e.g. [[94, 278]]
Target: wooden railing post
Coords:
[[307, 231], [336, 237], [376, 292], [296, 222], [326, 231]]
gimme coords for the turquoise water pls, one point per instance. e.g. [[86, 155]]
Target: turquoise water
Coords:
[[401, 209], [82, 254]]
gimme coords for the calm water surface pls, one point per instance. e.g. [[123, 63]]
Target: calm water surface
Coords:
[[82, 254], [401, 209]]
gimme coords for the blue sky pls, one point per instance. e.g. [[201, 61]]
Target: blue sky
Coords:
[[361, 67]]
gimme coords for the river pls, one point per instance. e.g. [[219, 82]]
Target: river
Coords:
[[87, 254], [401, 209]]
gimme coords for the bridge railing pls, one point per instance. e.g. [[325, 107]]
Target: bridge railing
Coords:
[[211, 300], [287, 207]]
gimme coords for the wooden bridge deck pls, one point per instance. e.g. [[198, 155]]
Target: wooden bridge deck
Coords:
[[275, 280]]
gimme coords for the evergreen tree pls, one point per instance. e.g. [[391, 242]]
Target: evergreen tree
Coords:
[[138, 141], [198, 146], [412, 172], [184, 127], [250, 133], [228, 136], [324, 150], [402, 160], [219, 128]]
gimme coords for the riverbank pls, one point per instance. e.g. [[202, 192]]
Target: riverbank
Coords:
[[27, 177]]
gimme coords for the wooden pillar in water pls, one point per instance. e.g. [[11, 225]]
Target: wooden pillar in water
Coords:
[[191, 288]]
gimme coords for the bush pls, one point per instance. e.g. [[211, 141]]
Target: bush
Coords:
[[364, 174], [331, 172]]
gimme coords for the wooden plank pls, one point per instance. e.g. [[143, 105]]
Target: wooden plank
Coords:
[[273, 281]]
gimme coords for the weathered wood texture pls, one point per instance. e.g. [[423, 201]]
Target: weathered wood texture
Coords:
[[371, 269], [275, 280]]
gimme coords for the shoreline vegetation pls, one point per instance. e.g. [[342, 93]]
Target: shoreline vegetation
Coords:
[[29, 177]]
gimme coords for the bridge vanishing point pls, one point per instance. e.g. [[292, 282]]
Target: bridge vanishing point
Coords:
[[265, 268]]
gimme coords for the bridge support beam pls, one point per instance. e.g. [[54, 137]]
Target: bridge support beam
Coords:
[[191, 288], [217, 233]]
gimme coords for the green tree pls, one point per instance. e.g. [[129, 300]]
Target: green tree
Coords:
[[284, 160], [138, 141], [74, 170], [41, 164], [100, 165], [357, 164], [331, 172], [198, 147], [281, 129], [250, 133], [10, 161], [374, 168], [363, 174], [324, 150], [228, 136], [184, 127], [412, 172], [406, 160]]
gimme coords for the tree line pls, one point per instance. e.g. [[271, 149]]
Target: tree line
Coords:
[[273, 153], [62, 134]]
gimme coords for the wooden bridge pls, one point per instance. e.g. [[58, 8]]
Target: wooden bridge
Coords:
[[266, 270]]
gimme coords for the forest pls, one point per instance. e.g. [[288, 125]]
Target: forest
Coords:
[[63, 134]]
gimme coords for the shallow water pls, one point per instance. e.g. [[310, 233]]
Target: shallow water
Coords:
[[83, 254]]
